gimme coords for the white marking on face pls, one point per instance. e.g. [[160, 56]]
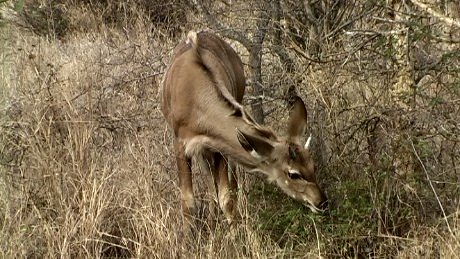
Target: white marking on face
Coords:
[[310, 205], [255, 155], [304, 197], [293, 171]]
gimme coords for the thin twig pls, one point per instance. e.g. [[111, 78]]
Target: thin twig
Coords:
[[432, 188]]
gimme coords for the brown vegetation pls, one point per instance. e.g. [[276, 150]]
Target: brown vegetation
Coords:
[[86, 160]]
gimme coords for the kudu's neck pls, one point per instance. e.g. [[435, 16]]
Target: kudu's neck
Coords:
[[221, 136]]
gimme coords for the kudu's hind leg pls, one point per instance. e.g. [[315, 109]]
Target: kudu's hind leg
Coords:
[[205, 162], [226, 186], [185, 181]]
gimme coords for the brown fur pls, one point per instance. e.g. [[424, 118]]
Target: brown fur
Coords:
[[201, 100]]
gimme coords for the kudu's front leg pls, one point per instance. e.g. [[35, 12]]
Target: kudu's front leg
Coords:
[[226, 186], [185, 181]]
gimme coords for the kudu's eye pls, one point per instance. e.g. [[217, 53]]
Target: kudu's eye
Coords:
[[292, 153], [294, 175]]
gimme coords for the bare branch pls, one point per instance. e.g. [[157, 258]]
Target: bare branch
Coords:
[[304, 54], [224, 31], [433, 12], [277, 46]]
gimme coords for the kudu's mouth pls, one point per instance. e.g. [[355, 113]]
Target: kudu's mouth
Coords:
[[322, 207]]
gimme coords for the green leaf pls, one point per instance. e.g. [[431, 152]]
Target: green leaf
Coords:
[[18, 5]]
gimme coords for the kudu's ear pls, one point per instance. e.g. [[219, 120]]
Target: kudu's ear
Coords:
[[258, 147], [297, 120]]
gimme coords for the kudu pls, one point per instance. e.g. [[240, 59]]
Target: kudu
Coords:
[[201, 100]]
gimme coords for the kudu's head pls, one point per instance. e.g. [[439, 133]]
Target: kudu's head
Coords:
[[288, 161]]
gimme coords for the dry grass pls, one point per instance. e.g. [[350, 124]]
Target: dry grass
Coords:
[[87, 168]]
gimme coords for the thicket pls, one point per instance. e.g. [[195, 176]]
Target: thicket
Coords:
[[86, 163]]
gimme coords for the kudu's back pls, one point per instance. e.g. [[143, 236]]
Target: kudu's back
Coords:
[[199, 66]]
